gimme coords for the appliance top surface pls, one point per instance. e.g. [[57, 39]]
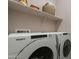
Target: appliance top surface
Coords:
[[30, 34]]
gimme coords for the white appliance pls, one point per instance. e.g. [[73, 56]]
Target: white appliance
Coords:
[[32, 46], [64, 43]]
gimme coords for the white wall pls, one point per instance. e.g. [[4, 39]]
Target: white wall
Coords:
[[18, 20], [63, 10]]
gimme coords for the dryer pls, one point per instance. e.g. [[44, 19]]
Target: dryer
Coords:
[[64, 45], [32, 46]]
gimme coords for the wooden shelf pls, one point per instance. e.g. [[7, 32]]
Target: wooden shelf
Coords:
[[19, 7]]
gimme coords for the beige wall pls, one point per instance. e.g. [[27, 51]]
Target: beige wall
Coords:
[[63, 9], [18, 20]]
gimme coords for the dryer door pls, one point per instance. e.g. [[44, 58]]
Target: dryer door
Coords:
[[65, 48], [40, 49]]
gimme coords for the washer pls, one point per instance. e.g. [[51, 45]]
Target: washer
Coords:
[[32, 46], [64, 43]]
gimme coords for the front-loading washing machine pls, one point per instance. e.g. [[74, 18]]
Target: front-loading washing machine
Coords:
[[64, 45], [32, 46]]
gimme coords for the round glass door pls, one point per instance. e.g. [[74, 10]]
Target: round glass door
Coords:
[[66, 48], [42, 53]]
